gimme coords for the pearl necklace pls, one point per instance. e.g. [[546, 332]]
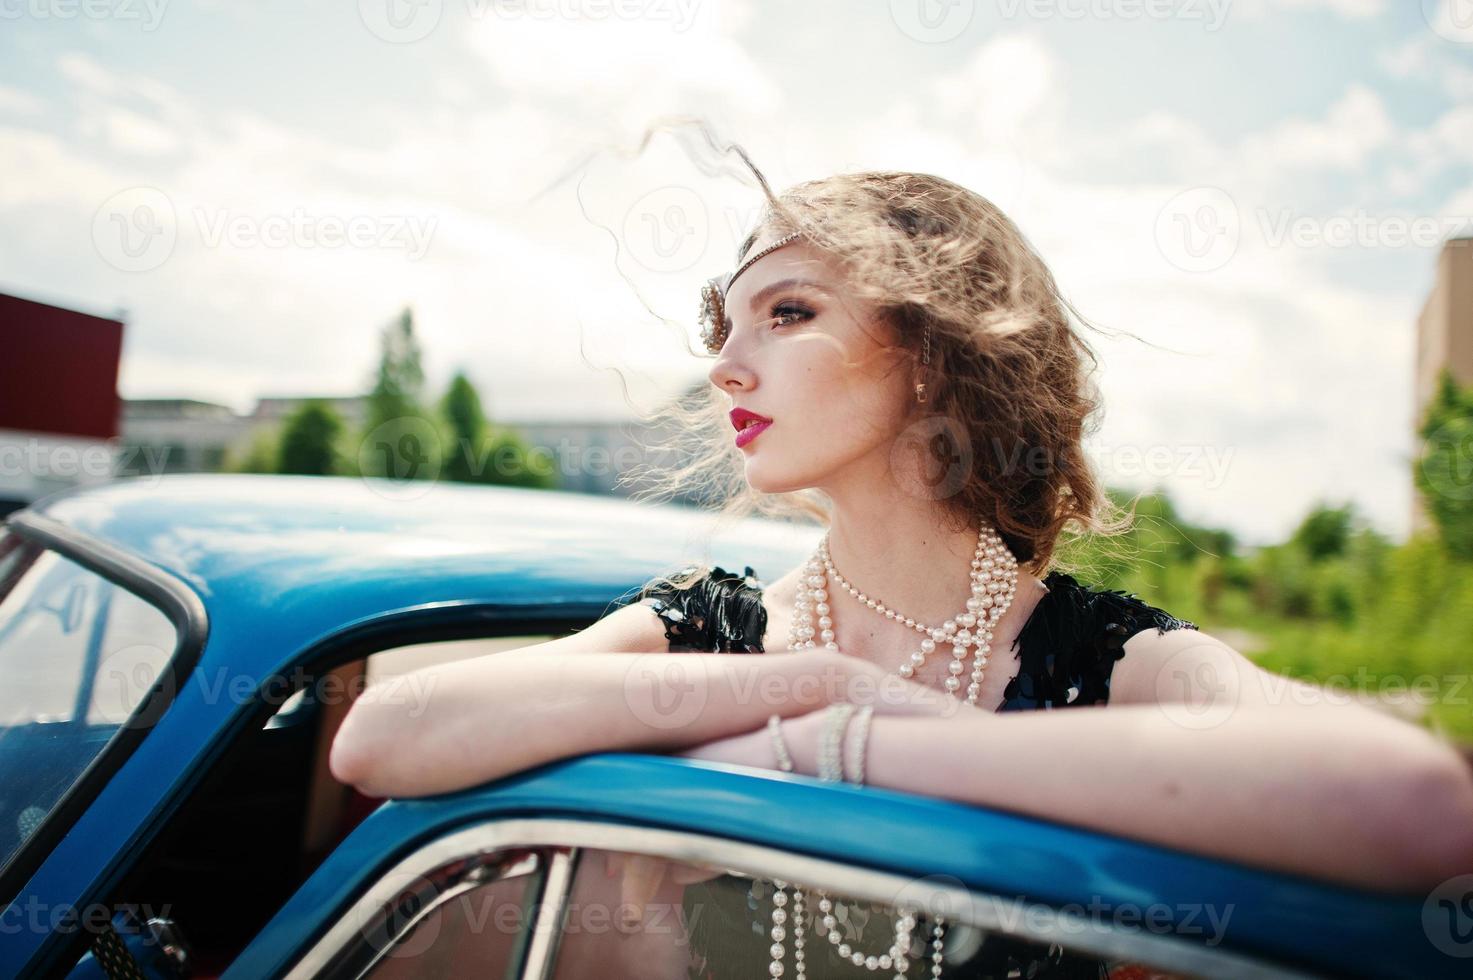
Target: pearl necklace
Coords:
[[994, 584], [897, 958], [994, 578]]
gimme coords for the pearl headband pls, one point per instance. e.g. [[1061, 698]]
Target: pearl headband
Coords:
[[714, 324], [713, 299]]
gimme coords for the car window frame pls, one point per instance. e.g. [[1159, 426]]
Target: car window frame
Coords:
[[150, 584], [341, 945]]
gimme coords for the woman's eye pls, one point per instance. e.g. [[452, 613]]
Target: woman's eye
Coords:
[[786, 314]]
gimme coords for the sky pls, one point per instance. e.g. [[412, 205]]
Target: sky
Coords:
[[1247, 196]]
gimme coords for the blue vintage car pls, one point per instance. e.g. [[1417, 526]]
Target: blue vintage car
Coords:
[[177, 654]]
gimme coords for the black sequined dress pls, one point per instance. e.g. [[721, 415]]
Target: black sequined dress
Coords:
[[1064, 656]]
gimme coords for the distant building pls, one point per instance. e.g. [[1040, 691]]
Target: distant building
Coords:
[[352, 409], [175, 435], [58, 399], [181, 435], [1444, 335]]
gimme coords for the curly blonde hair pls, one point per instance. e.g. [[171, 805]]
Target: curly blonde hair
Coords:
[[1009, 389]]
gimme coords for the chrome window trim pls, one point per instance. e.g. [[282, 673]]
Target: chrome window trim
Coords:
[[447, 883], [556, 885], [1042, 924]]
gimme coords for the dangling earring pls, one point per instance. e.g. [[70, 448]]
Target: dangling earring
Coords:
[[925, 360]]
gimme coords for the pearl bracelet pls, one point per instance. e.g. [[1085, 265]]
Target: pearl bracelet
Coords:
[[779, 747], [854, 743], [830, 764]]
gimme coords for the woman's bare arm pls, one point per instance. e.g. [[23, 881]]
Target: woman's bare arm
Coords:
[[461, 724], [1369, 801]]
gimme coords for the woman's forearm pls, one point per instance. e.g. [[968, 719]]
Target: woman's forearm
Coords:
[[476, 720], [1379, 806]]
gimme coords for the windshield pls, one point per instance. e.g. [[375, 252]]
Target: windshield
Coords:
[[77, 654]]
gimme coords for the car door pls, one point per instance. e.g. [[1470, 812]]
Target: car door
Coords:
[[513, 880]]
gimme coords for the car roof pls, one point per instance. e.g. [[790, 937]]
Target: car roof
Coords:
[[265, 541]]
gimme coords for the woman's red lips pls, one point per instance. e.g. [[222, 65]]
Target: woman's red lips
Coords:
[[748, 425]]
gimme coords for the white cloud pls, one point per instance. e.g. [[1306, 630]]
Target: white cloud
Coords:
[[516, 290], [625, 70], [1001, 90], [14, 101], [1353, 9], [1356, 126], [41, 169], [135, 133]]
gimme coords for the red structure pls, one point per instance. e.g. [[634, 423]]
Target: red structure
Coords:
[[58, 370]]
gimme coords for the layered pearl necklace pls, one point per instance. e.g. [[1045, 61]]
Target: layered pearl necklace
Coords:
[[994, 584], [897, 958]]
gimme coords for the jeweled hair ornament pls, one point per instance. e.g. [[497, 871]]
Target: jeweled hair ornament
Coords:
[[714, 325]]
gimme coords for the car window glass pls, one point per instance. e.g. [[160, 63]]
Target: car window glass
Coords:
[[477, 932], [702, 920], [78, 655]]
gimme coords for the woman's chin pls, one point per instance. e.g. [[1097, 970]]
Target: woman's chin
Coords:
[[766, 478]]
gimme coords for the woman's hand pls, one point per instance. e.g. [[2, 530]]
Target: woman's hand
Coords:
[[888, 693], [845, 678]]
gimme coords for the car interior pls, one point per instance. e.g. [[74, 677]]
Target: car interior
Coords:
[[266, 815]]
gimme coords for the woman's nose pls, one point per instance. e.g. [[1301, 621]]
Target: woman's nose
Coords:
[[730, 372]]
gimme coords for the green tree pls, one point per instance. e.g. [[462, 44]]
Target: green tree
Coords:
[[1444, 471], [400, 379], [309, 440], [479, 452], [400, 439], [461, 409], [1325, 532], [511, 461], [261, 455]]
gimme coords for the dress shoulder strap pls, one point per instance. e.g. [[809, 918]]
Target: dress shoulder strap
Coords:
[[712, 611], [1069, 646]]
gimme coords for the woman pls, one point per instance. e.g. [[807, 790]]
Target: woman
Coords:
[[893, 358]]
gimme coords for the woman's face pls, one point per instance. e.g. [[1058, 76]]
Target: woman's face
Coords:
[[804, 353]]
